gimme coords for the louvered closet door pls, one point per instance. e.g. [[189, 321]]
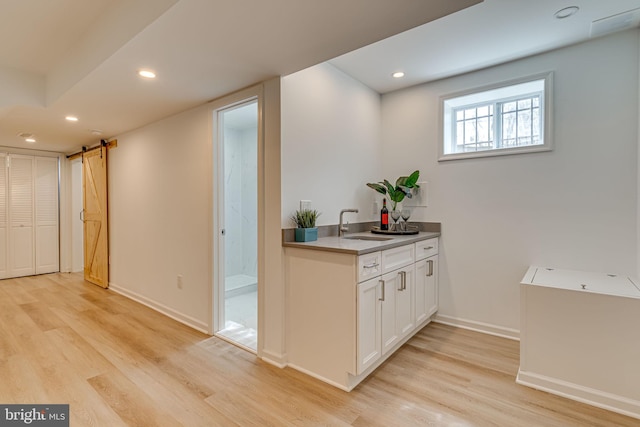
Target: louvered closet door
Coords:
[[21, 216], [4, 222], [46, 205]]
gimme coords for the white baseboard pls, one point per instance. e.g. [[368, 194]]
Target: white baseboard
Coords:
[[590, 396], [486, 328], [275, 359], [167, 311], [319, 377]]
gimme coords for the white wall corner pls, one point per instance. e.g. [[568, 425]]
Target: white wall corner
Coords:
[[638, 171]]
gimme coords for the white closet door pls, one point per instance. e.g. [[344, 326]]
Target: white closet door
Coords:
[[46, 204], [21, 218], [4, 235]]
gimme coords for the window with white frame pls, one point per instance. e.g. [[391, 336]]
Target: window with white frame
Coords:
[[510, 118]]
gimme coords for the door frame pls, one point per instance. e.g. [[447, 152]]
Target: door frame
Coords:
[[237, 99]]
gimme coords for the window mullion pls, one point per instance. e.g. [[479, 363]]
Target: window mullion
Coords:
[[497, 122]]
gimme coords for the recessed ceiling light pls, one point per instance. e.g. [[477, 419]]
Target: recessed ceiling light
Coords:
[[566, 12], [147, 74], [71, 118], [30, 140], [398, 74]]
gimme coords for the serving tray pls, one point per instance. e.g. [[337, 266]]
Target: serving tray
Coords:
[[411, 229]]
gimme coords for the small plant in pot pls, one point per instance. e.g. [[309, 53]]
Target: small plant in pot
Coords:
[[305, 220]]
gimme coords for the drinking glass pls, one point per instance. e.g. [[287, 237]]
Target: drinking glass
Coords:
[[395, 215], [406, 214]]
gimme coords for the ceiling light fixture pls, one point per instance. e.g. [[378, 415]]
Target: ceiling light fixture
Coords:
[[30, 140], [398, 74], [566, 12], [147, 74], [71, 118]]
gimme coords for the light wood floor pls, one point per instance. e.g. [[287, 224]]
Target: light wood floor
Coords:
[[119, 363]]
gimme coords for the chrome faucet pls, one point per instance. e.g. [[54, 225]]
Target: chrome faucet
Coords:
[[343, 228]]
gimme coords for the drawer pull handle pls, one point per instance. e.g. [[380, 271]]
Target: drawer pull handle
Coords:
[[430, 263], [403, 280], [374, 265], [428, 248], [382, 282]]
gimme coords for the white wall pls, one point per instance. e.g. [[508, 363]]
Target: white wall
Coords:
[[638, 160], [160, 186], [574, 207], [330, 144], [77, 237], [161, 216]]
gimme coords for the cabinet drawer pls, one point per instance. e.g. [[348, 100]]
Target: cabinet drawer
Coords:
[[426, 248], [369, 265], [395, 258]]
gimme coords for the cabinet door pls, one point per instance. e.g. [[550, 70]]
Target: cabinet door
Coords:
[[421, 285], [369, 338], [405, 314], [398, 316], [390, 283], [431, 289], [426, 289]]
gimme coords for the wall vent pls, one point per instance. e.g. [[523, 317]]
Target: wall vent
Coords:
[[611, 24]]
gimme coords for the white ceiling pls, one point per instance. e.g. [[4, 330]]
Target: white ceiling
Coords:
[[483, 35], [80, 57]]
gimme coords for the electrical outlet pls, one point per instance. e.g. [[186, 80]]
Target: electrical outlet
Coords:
[[179, 281], [419, 198], [305, 205]]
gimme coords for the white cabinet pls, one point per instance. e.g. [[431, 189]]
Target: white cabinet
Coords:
[[406, 298], [347, 313]]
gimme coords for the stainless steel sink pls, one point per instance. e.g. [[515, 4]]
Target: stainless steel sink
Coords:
[[375, 238]]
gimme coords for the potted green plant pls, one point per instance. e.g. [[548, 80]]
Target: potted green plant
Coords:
[[397, 193], [305, 220]]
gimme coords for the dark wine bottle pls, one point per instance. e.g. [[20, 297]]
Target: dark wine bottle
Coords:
[[384, 216]]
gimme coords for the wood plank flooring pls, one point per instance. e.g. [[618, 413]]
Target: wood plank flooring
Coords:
[[118, 363]]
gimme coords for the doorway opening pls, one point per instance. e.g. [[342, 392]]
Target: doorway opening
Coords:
[[237, 222]]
